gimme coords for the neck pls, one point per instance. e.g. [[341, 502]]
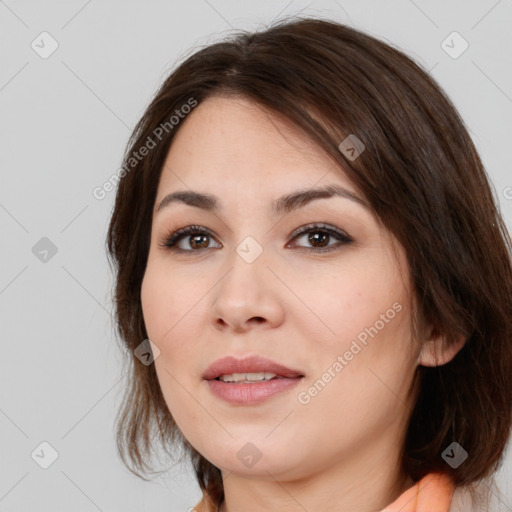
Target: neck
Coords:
[[368, 486]]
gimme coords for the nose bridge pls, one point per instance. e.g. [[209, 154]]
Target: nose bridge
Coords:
[[247, 265], [245, 291]]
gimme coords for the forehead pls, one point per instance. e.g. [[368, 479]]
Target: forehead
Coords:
[[230, 142]]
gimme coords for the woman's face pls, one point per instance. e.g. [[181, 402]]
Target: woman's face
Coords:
[[332, 307]]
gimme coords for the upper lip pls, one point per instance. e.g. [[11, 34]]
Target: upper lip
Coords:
[[253, 364]]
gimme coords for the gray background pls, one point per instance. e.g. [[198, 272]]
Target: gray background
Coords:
[[64, 123]]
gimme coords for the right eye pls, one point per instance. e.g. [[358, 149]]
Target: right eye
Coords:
[[195, 237]]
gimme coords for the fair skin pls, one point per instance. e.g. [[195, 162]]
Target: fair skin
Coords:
[[293, 304]]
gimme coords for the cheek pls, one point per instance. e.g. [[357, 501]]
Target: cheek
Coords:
[[172, 315], [165, 300], [362, 316], [343, 304], [360, 383]]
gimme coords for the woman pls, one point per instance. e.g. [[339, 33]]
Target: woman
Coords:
[[305, 232]]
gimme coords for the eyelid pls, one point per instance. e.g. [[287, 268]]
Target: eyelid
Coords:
[[321, 226]]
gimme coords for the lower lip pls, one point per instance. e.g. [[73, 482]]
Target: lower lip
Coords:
[[251, 393]]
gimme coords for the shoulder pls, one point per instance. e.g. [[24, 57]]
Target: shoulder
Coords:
[[204, 506]]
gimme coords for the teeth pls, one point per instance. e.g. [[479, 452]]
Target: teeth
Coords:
[[247, 377]]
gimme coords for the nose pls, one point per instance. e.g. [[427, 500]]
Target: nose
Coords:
[[248, 296]]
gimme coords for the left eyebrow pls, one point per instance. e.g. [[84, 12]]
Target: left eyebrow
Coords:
[[301, 198], [284, 204]]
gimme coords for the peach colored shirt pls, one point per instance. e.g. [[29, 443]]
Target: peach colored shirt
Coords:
[[433, 493]]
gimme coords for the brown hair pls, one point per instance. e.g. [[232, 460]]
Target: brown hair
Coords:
[[422, 176]]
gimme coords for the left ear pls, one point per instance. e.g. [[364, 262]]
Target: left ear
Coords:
[[435, 351]]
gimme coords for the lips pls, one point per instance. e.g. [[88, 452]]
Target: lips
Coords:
[[253, 364]]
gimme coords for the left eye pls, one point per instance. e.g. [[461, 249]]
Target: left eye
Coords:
[[319, 236], [198, 239]]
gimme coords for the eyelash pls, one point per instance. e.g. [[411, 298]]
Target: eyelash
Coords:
[[172, 238]]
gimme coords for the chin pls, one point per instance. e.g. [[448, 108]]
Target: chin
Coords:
[[264, 463]]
